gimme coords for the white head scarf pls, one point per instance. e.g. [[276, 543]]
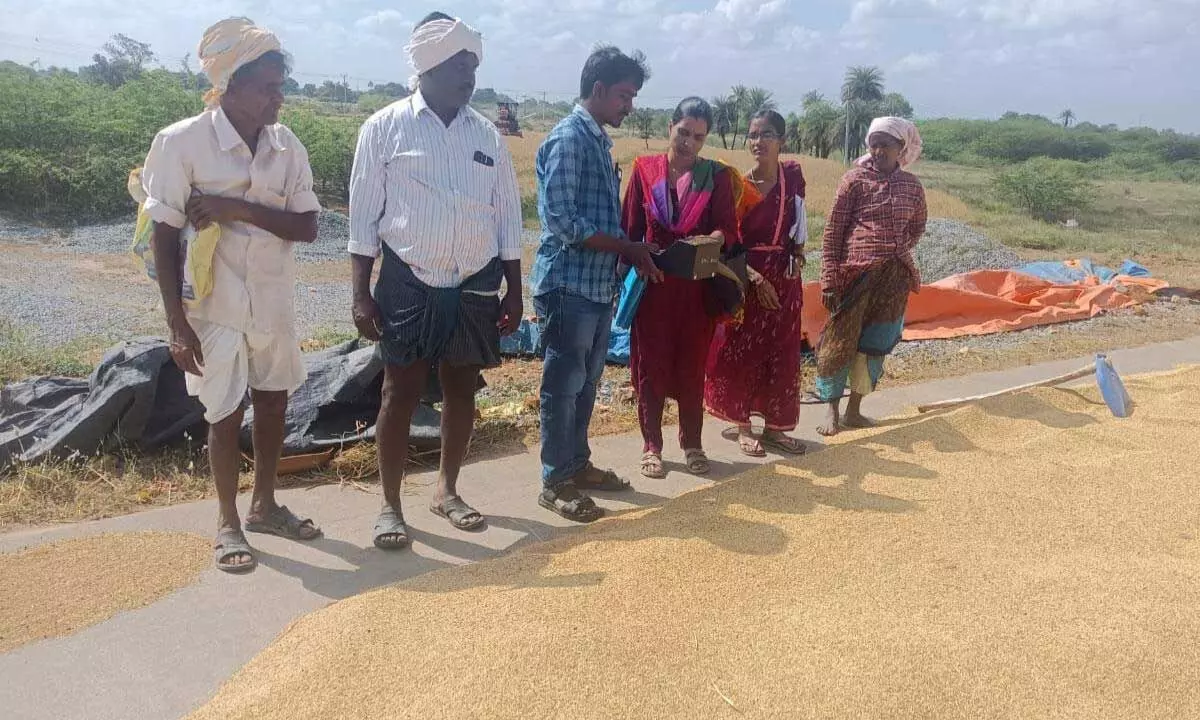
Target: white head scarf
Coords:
[[904, 131], [229, 45], [437, 41]]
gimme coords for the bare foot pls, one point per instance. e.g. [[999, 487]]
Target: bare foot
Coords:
[[831, 426], [857, 421]]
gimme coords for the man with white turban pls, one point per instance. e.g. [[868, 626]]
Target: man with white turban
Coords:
[[867, 269], [434, 191], [234, 165]]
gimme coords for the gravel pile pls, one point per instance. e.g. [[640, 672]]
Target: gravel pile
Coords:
[[113, 237], [333, 232], [950, 248]]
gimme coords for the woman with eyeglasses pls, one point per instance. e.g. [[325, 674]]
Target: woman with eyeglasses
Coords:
[[754, 364], [671, 197]]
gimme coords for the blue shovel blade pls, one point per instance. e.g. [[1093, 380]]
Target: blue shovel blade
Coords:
[[1112, 389]]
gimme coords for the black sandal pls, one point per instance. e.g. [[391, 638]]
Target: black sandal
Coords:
[[567, 501], [390, 532], [593, 478], [461, 515]]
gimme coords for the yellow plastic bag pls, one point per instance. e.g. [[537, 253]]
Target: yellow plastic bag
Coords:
[[200, 251], [196, 265]]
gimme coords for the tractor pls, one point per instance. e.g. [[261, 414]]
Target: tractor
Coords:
[[506, 119]]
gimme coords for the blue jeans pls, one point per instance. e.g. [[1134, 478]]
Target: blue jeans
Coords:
[[574, 335]]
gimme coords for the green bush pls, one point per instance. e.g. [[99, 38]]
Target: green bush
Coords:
[[67, 146], [1143, 152], [529, 208], [330, 141], [1047, 189]]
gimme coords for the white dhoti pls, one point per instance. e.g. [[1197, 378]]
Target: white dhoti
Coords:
[[236, 361]]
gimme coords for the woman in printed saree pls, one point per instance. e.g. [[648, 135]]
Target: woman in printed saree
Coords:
[[672, 197], [754, 363], [867, 269]]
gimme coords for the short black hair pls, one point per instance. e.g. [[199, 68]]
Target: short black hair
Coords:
[[272, 57], [431, 17], [693, 107], [775, 119], [608, 66]]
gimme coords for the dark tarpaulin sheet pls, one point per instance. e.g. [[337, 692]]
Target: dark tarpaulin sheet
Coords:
[[136, 398]]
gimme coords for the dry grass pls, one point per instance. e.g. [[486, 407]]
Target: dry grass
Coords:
[[821, 175], [1157, 223], [1026, 557], [102, 486], [21, 356], [61, 588]]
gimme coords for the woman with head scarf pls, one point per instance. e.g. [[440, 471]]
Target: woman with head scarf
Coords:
[[867, 268], [753, 366], [671, 197]]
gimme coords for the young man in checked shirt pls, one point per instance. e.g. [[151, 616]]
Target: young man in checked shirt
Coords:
[[575, 275]]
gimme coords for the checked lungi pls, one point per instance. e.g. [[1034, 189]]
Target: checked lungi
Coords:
[[457, 325]]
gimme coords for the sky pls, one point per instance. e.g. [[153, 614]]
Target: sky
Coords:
[[1110, 61]]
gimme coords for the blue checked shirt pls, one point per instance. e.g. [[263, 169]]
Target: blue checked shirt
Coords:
[[579, 195]]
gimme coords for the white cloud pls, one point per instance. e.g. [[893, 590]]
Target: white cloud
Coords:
[[989, 55], [917, 62], [798, 37], [637, 7], [749, 12], [559, 42], [686, 23], [727, 29], [379, 20]]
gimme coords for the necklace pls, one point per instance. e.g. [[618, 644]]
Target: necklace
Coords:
[[754, 179]]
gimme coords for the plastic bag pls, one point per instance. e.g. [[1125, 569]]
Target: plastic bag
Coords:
[[195, 263]]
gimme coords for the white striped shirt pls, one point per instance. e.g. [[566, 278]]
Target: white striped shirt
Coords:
[[444, 199]]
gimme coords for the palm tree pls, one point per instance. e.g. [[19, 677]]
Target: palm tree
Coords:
[[757, 98], [896, 105], [863, 83], [1067, 117], [794, 141], [740, 96], [862, 92], [724, 117], [812, 97], [819, 128]]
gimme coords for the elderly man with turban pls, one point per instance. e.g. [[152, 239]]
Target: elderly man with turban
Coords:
[[433, 190], [235, 166], [867, 270]]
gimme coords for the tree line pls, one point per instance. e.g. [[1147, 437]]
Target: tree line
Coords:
[[68, 139], [820, 129]]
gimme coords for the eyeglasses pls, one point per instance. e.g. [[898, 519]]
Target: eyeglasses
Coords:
[[762, 136]]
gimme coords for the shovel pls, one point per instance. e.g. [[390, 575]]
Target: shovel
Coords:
[[1107, 379]]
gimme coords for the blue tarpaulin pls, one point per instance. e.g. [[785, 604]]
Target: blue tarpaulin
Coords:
[[524, 343], [1078, 271]]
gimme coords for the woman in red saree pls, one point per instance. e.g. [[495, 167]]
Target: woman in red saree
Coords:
[[672, 197], [754, 364]]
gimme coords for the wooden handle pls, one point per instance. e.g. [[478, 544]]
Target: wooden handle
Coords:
[[1080, 373]]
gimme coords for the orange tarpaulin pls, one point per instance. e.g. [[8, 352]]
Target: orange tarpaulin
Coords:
[[991, 301]]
